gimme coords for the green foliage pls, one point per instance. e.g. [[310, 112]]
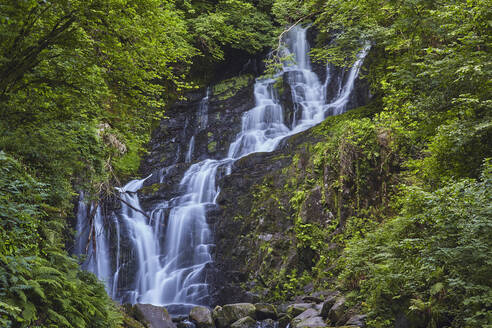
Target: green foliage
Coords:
[[233, 23], [228, 88], [40, 286], [287, 12], [430, 64], [432, 262]]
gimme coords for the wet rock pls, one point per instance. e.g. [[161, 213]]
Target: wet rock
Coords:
[[185, 324], [153, 316], [230, 313], [282, 308], [337, 310], [265, 311], [202, 317], [327, 304], [246, 322], [218, 316], [284, 321], [313, 322], [129, 322], [296, 309], [312, 299], [313, 210], [358, 320], [309, 313], [267, 323], [308, 288]]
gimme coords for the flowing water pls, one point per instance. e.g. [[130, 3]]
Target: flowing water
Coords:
[[171, 252]]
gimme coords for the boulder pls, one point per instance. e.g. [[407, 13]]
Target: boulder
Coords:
[[327, 304], [265, 311], [267, 323], [284, 321], [246, 322], [309, 313], [230, 313], [282, 308], [313, 322], [202, 317], [154, 316], [358, 320], [337, 310], [296, 309], [218, 316]]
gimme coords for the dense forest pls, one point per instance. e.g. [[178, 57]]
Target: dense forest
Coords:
[[83, 85]]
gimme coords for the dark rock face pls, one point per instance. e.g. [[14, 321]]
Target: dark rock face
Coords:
[[213, 134]]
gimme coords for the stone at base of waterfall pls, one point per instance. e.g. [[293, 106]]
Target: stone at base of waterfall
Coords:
[[185, 324], [328, 303], [265, 311], [309, 313], [284, 321], [202, 317], [313, 322], [229, 313], [154, 316], [296, 309], [246, 322], [337, 310], [267, 323], [358, 320]]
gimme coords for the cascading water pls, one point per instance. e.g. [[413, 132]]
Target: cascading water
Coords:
[[92, 240], [171, 252]]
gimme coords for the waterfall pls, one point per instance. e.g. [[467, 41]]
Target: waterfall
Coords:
[[191, 148], [203, 111], [93, 241], [171, 246]]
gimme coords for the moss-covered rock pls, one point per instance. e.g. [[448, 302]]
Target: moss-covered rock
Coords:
[[265, 311], [228, 88], [202, 317]]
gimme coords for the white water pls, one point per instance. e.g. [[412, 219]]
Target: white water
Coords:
[[172, 257], [92, 240], [191, 148]]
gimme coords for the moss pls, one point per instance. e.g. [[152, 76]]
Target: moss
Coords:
[[152, 189], [228, 88], [212, 147], [340, 173], [279, 85]]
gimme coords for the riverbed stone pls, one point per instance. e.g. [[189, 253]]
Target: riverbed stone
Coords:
[[309, 313], [327, 304], [202, 317], [154, 316], [265, 311], [230, 313], [218, 316], [267, 323], [284, 321], [313, 322], [246, 322], [337, 310], [296, 309], [358, 320]]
